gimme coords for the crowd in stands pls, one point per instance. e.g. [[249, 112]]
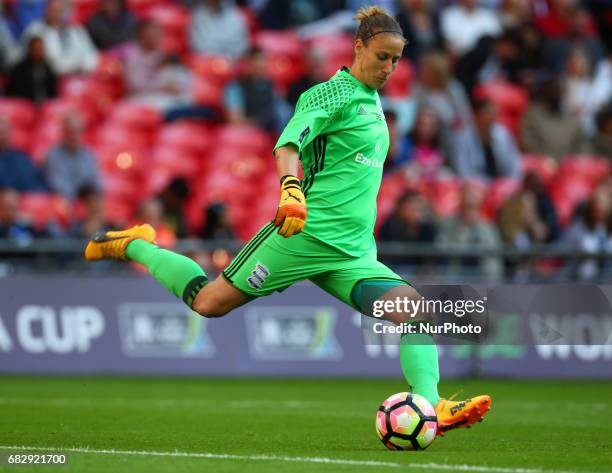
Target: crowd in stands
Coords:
[[119, 111]]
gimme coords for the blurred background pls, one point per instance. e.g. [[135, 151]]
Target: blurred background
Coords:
[[117, 112]]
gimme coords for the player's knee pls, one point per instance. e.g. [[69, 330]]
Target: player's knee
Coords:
[[210, 307]]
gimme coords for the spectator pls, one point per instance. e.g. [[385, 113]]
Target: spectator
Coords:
[[579, 34], [113, 24], [439, 92], [493, 59], [17, 171], [519, 222], [151, 211], [94, 219], [421, 27], [591, 234], [33, 78], [218, 224], [545, 129], [468, 231], [314, 73], [425, 152], [514, 13], [464, 23], [11, 225], [70, 165], [143, 57], [252, 99], [488, 150], [171, 86], [68, 47], [603, 140], [174, 198], [544, 207], [409, 223], [218, 28]]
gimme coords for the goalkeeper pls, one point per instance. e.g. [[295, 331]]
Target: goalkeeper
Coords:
[[323, 229]]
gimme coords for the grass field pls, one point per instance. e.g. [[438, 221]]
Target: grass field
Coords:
[[221, 425]]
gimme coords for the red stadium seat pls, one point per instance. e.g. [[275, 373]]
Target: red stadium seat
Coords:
[[208, 93], [141, 8], [173, 161], [544, 166], [43, 209], [136, 117], [279, 43], [217, 69], [187, 137], [338, 50], [400, 82], [19, 112], [568, 191], [244, 137], [588, 168], [444, 196], [117, 137], [174, 21], [83, 9]]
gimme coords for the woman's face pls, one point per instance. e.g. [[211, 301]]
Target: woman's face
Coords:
[[378, 59]]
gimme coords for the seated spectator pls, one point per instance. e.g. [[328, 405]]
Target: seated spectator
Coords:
[[151, 211], [17, 171], [70, 165], [492, 59], [488, 150], [514, 13], [578, 34], [425, 148], [464, 23], [544, 207], [592, 234], [94, 219], [218, 225], [142, 58], [170, 87], [519, 222], [251, 99], [33, 78], [409, 223], [11, 225], [314, 73], [439, 92], [112, 24], [68, 47], [174, 199], [218, 29], [421, 27], [603, 140], [579, 97], [469, 231], [545, 129]]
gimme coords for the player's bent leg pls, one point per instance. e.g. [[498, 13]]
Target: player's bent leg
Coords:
[[218, 298]]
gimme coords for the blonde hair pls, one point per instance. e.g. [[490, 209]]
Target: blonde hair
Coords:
[[374, 20]]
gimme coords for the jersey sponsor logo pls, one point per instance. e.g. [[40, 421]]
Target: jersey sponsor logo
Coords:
[[371, 162], [304, 133], [258, 276]]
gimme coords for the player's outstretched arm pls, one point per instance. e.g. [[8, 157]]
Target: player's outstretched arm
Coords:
[[291, 212]]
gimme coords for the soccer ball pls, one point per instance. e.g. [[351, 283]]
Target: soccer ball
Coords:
[[406, 421]]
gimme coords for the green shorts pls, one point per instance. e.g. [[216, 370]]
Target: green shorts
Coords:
[[270, 262]]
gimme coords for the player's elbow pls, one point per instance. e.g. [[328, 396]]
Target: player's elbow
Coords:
[[210, 308]]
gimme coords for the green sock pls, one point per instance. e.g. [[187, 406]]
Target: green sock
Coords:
[[419, 360], [182, 276]]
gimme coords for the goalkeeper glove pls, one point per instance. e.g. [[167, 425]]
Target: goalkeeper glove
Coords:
[[291, 212]]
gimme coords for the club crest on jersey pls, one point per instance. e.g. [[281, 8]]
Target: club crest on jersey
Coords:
[[258, 276]]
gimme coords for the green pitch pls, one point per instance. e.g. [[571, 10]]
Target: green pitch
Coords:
[[194, 425]]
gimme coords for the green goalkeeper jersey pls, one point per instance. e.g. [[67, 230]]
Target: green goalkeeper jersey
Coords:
[[341, 134]]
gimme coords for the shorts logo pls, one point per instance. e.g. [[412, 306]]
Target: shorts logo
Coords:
[[258, 276]]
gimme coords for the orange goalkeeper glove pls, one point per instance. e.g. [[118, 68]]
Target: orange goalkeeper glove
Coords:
[[291, 212]]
